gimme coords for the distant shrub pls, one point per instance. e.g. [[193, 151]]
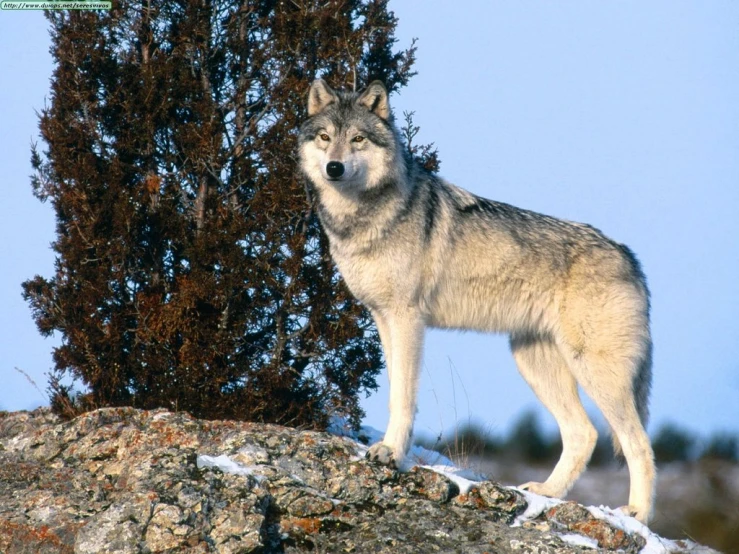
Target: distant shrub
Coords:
[[603, 452], [528, 441], [673, 444], [721, 446]]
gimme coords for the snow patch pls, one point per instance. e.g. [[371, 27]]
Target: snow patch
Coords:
[[417, 456], [579, 540], [655, 544], [465, 479], [463, 483], [535, 505], [227, 465]]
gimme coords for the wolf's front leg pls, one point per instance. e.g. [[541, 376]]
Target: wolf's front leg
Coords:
[[383, 330], [406, 329]]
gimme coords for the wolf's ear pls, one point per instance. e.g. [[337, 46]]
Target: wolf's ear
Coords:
[[374, 98], [320, 96]]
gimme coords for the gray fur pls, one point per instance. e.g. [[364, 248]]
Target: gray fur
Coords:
[[420, 252]]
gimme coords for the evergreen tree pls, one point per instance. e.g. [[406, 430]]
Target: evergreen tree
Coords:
[[189, 274]]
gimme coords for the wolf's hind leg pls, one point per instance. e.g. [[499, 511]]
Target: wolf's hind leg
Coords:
[[607, 379], [545, 370]]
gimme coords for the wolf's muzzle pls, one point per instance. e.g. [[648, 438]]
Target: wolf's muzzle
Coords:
[[334, 169]]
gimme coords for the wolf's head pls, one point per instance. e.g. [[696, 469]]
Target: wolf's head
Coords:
[[349, 142]]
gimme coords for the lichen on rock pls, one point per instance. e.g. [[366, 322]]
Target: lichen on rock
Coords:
[[131, 481]]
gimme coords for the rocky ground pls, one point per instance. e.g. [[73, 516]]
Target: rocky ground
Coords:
[[695, 500], [130, 481]]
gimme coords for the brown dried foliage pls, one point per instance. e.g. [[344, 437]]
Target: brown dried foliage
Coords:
[[189, 274]]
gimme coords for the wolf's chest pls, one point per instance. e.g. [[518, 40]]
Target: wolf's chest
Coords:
[[374, 277]]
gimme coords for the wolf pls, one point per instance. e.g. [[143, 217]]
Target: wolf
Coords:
[[420, 252]]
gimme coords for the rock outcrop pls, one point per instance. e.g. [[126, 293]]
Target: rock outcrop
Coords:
[[131, 481]]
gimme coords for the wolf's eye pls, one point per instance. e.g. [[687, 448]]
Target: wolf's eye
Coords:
[[358, 138], [324, 137]]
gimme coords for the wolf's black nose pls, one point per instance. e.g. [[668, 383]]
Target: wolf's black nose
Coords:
[[335, 169]]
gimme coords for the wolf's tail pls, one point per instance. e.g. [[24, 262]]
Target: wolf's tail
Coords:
[[642, 385]]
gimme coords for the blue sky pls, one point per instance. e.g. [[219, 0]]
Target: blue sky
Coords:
[[624, 115]]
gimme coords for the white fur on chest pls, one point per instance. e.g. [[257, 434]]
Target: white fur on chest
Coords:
[[377, 277]]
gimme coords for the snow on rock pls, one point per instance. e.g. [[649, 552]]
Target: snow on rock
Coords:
[[654, 543], [227, 465], [537, 505], [579, 540], [126, 480]]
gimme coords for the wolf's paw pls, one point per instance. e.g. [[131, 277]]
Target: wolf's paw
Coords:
[[382, 454], [540, 488], [633, 511]]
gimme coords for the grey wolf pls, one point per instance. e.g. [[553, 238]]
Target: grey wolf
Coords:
[[420, 252]]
